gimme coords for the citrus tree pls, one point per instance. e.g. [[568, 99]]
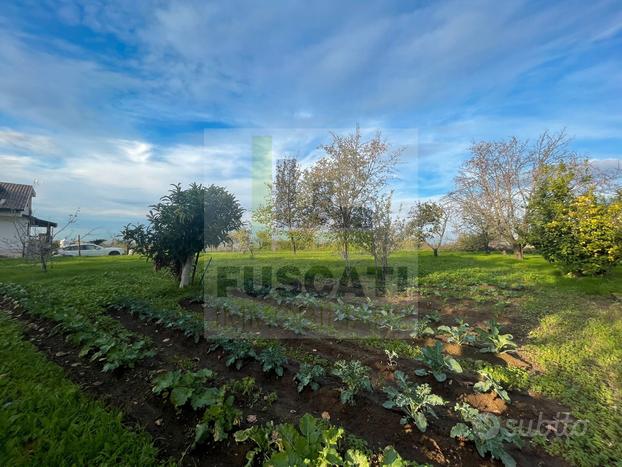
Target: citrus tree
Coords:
[[572, 225]]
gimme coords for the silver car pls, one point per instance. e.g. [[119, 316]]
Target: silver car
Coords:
[[89, 249]]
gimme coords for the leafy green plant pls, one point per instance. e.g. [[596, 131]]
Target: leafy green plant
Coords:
[[437, 362], [433, 316], [296, 323], [486, 432], [387, 318], [489, 383], [219, 419], [306, 300], [189, 324], [416, 401], [236, 350], [101, 338], [247, 391], [313, 442], [493, 341], [459, 334], [355, 376], [421, 328], [272, 358], [308, 375], [391, 458], [244, 387], [344, 311], [186, 387]]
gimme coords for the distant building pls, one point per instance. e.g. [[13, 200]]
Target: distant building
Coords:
[[18, 227]]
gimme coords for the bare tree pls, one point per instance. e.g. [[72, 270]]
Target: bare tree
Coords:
[[288, 212], [383, 232], [498, 180], [428, 222], [472, 219], [39, 246], [348, 179], [243, 240]]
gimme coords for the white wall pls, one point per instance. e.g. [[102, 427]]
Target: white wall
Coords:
[[10, 229]]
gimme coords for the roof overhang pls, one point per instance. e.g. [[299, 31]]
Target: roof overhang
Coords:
[[36, 222]]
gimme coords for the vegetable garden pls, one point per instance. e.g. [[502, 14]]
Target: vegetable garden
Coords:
[[462, 368]]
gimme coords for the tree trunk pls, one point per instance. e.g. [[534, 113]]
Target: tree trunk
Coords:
[[186, 272], [44, 266], [435, 250], [518, 251], [194, 266], [293, 242]]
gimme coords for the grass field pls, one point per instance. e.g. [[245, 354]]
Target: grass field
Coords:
[[569, 332]]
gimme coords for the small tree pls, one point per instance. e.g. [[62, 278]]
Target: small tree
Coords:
[[182, 224], [41, 246], [341, 185], [429, 223], [572, 226], [381, 233], [497, 182], [243, 238], [288, 212]]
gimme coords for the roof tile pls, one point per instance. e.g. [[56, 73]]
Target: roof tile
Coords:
[[15, 196]]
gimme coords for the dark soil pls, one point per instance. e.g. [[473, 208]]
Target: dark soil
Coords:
[[130, 391]]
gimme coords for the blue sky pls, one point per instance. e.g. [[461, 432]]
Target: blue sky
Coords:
[[107, 103]]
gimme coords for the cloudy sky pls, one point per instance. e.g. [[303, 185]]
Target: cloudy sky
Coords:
[[105, 104]]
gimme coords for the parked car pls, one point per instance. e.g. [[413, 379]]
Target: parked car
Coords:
[[89, 249]]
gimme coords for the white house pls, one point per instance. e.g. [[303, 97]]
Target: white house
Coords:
[[17, 224]]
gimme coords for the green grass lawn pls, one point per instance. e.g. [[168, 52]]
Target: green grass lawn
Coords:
[[46, 420], [574, 324]]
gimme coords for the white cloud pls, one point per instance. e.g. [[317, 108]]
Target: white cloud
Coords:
[[20, 141]]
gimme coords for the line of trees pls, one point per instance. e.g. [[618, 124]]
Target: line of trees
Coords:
[[499, 197], [511, 192], [344, 195]]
